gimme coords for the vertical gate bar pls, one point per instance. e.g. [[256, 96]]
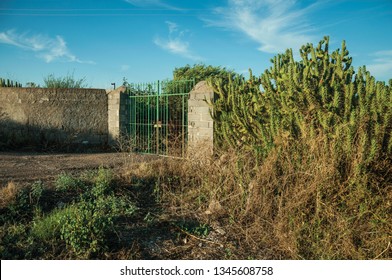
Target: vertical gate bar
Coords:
[[137, 110], [148, 123], [131, 116], [182, 127], [157, 120], [134, 101], [145, 112], [167, 123], [142, 115]]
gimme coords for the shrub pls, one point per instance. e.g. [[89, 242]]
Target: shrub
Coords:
[[67, 182], [68, 81], [87, 225]]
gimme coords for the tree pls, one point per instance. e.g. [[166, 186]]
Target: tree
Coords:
[[9, 83], [67, 81], [201, 72]]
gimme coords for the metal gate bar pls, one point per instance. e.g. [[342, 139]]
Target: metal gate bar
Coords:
[[158, 117]]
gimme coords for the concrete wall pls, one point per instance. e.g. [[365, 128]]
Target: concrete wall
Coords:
[[200, 122], [118, 114], [86, 117], [41, 116]]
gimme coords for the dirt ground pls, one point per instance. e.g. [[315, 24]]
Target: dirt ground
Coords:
[[27, 167]]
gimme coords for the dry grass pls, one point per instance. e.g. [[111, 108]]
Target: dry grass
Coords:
[[8, 194], [298, 203]]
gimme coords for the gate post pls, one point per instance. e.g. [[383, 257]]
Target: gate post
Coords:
[[117, 114], [200, 122]]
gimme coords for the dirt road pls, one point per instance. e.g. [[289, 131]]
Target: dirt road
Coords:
[[28, 167]]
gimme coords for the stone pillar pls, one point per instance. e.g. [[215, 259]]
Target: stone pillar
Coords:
[[117, 114], [200, 122]]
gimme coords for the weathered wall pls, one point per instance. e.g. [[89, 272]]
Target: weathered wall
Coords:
[[85, 117], [31, 116], [118, 114], [200, 122]]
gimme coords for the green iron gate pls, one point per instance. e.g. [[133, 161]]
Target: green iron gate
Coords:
[[158, 121]]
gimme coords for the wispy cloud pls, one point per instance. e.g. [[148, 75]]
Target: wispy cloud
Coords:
[[49, 49], [381, 65], [152, 3], [275, 24], [175, 42]]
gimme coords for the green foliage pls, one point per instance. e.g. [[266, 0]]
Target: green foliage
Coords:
[[32, 85], [68, 81], [13, 241], [66, 182], [320, 94], [201, 72], [196, 228], [37, 189], [9, 83], [47, 228], [20, 208], [84, 225], [88, 225]]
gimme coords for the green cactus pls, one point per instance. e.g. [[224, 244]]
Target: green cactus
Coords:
[[319, 94]]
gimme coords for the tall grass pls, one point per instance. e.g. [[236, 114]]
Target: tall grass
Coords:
[[297, 204]]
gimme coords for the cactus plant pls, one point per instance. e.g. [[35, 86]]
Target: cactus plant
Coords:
[[321, 93]]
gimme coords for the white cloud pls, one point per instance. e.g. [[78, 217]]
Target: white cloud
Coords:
[[49, 49], [173, 27], [275, 24], [175, 42], [381, 65]]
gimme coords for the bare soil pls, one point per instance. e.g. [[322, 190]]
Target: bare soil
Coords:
[[27, 167]]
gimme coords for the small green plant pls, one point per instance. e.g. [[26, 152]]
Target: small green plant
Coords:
[[47, 228], [87, 225], [102, 182], [20, 208], [195, 228], [66, 182], [37, 189]]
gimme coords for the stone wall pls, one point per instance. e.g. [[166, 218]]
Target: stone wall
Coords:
[[200, 122], [41, 116], [86, 117], [118, 114]]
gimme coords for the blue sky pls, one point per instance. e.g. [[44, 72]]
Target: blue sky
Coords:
[[144, 40]]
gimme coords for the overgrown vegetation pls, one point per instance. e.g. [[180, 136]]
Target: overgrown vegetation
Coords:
[[81, 223], [202, 72], [68, 81]]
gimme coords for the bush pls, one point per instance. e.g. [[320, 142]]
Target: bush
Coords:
[[87, 225], [51, 81], [66, 182]]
